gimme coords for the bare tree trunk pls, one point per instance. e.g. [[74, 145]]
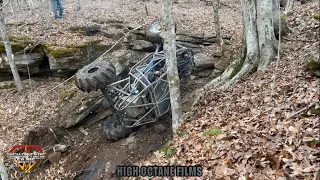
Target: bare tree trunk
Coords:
[[47, 11], [267, 41], [251, 61], [78, 5], [289, 6], [5, 37], [31, 5], [261, 45], [169, 45], [11, 8], [216, 6], [3, 169]]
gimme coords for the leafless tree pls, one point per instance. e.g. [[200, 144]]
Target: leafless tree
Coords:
[[3, 169], [216, 6], [7, 44], [169, 37], [78, 5], [288, 6], [47, 10], [259, 44]]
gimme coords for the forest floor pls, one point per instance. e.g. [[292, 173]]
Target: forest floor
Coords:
[[245, 132], [235, 133]]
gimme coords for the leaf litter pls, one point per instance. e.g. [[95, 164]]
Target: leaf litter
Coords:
[[258, 139], [261, 139]]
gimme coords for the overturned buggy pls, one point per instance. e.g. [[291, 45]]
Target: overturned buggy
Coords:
[[141, 97]]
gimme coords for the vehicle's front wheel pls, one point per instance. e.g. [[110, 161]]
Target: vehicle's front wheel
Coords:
[[185, 62], [114, 129], [95, 76]]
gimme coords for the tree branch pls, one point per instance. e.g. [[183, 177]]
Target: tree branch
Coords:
[[303, 109]]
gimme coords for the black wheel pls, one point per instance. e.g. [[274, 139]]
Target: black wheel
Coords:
[[115, 130], [95, 76], [153, 32], [185, 63]]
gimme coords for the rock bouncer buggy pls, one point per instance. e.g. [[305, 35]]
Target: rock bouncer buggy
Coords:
[[140, 98]]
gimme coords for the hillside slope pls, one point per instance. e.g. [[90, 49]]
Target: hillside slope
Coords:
[[245, 133]]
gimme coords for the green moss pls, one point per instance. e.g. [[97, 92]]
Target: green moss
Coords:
[[67, 94], [77, 45], [187, 115], [168, 150], [18, 38], [85, 44], [316, 72], [70, 49], [33, 117], [85, 30], [108, 21], [316, 16], [97, 45], [58, 52], [17, 47], [315, 141], [184, 133], [21, 23], [7, 85], [212, 132], [49, 45], [314, 111], [18, 43], [312, 64], [2, 48], [79, 31]]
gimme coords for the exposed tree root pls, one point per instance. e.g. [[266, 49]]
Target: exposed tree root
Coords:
[[246, 69], [219, 81], [259, 45]]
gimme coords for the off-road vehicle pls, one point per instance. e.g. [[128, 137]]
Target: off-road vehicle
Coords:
[[141, 97]]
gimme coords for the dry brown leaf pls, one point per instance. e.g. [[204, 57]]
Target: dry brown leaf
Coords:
[[221, 136]]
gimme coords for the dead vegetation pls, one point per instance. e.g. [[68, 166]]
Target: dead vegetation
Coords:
[[240, 132], [244, 133]]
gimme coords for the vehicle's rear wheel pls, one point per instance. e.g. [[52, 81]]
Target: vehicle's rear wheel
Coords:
[[153, 32], [95, 76], [115, 130]]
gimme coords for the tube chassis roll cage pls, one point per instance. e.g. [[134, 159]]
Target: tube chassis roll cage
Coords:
[[137, 95]]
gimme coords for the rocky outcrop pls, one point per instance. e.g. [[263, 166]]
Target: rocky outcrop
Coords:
[[67, 59], [73, 57], [312, 63], [26, 52], [203, 61], [78, 107]]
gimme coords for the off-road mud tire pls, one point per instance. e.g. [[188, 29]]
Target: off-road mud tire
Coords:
[[153, 32], [185, 63], [114, 129], [95, 76]]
